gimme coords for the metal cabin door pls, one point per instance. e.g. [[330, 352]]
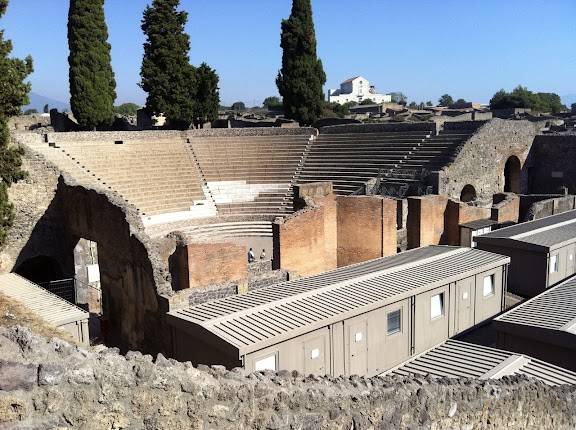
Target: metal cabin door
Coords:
[[570, 260], [464, 304], [357, 348], [315, 356]]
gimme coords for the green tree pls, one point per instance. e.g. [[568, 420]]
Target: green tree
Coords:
[[302, 76], [207, 94], [461, 101], [167, 75], [446, 100], [399, 98], [337, 109], [272, 102], [238, 106], [413, 105], [30, 111], [13, 94], [573, 107], [127, 109], [429, 103], [367, 102], [92, 82], [521, 97], [46, 108]]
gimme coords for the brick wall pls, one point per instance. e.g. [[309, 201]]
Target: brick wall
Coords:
[[338, 231], [506, 208], [299, 243], [216, 263], [426, 220], [366, 228], [435, 220]]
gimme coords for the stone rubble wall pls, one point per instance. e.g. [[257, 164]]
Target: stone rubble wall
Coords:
[[52, 384], [163, 134]]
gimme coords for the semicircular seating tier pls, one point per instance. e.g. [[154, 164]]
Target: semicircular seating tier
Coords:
[[398, 158], [251, 175]]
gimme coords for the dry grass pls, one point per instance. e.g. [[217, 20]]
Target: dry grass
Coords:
[[14, 313]]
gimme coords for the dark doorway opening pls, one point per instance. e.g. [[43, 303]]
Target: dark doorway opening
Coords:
[[468, 194], [512, 175]]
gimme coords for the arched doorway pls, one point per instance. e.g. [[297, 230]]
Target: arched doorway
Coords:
[[468, 194], [512, 175], [40, 269]]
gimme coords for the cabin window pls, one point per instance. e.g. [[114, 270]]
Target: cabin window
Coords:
[[315, 353], [437, 306], [489, 287], [394, 322], [553, 263], [266, 363]]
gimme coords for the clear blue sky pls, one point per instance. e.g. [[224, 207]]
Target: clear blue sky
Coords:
[[423, 48]]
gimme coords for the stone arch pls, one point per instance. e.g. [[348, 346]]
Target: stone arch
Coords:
[[468, 194], [512, 170], [40, 269]]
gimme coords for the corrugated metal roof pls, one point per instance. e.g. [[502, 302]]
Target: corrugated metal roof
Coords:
[[480, 223], [546, 232], [43, 303], [456, 359], [554, 309], [270, 315]]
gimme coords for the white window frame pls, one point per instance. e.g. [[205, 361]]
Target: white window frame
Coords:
[[263, 363], [433, 313], [399, 329], [492, 286], [553, 264]]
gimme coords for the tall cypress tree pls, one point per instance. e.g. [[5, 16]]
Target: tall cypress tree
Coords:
[[302, 76], [13, 94], [92, 83], [167, 75], [207, 94]]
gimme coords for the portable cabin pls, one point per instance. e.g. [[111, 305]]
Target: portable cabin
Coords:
[[360, 319], [544, 326], [47, 306], [456, 359], [469, 230], [542, 252]]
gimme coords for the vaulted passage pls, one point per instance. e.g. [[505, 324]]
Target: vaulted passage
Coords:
[[468, 194], [512, 175], [40, 270]]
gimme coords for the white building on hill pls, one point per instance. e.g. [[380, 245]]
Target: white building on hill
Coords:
[[356, 90]]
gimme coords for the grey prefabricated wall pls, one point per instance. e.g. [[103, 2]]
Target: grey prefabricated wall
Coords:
[[531, 247], [544, 326], [357, 341]]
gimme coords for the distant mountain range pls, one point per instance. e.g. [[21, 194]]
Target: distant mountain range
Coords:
[[38, 102], [568, 99]]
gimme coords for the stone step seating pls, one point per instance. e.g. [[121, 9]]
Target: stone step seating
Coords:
[[237, 170], [158, 177], [219, 230], [350, 160]]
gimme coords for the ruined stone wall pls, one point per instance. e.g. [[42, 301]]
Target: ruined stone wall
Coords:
[[379, 128], [506, 208], [552, 164], [547, 207], [435, 220], [481, 160], [216, 263], [51, 384], [366, 228], [53, 212], [163, 134], [425, 224], [335, 231], [299, 243]]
